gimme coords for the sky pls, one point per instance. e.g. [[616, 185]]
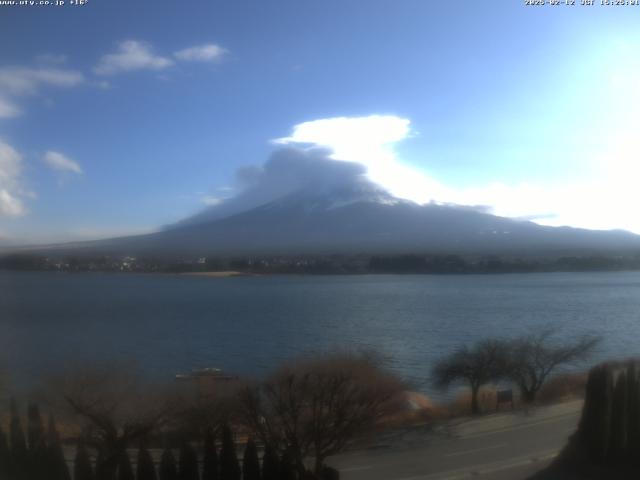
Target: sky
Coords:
[[119, 117]]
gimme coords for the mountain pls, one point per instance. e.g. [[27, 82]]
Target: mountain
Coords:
[[359, 218]]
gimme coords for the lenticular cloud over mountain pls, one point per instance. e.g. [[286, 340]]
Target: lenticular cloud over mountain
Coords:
[[289, 170]]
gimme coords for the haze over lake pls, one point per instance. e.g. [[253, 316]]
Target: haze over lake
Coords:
[[168, 324]]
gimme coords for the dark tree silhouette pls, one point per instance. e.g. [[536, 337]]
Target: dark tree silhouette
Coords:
[[250, 462], [58, 469], [5, 455], [19, 453], [168, 469], [145, 470], [317, 405], [125, 470], [534, 357], [485, 362], [287, 468], [82, 469], [210, 467], [188, 463], [229, 466], [37, 444], [270, 464]]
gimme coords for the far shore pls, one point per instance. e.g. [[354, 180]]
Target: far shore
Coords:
[[223, 274]]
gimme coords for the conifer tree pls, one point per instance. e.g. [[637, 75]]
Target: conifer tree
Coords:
[[102, 468], [188, 463], [82, 469], [5, 455], [168, 469], [125, 471], [287, 470], [37, 445], [270, 464], [250, 462], [56, 464], [145, 469], [229, 466], [210, 460], [35, 428], [19, 453]]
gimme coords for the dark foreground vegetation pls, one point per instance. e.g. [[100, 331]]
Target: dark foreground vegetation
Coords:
[[119, 428], [323, 264], [607, 442]]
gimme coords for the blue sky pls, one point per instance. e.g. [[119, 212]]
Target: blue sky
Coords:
[[120, 116]]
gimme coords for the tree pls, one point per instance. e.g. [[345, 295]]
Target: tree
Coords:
[[145, 469], [125, 471], [250, 462], [188, 463], [37, 444], [229, 466], [534, 357], [82, 469], [118, 409], [210, 460], [485, 362], [19, 452], [168, 469], [287, 469], [270, 464], [315, 406], [57, 465], [5, 455]]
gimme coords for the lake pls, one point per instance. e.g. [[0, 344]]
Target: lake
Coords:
[[168, 324]]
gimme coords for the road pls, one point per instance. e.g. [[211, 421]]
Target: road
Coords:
[[498, 447]]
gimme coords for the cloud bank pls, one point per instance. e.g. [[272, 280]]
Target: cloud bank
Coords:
[[362, 149], [288, 170]]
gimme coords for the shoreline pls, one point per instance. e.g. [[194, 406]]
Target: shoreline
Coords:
[[221, 274]]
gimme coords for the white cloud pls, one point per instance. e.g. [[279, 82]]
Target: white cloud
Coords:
[[10, 191], [370, 141], [8, 109], [209, 52], [61, 163], [210, 200], [605, 197], [51, 58], [131, 55], [24, 81]]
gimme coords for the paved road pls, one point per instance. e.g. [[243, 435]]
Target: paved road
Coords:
[[496, 447]]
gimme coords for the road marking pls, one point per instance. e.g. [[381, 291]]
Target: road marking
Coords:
[[356, 469], [466, 452], [523, 426], [483, 469]]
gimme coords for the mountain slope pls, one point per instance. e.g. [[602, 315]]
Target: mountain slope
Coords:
[[366, 222]]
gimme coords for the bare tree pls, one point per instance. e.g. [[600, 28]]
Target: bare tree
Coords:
[[483, 363], [117, 410], [315, 407], [534, 357]]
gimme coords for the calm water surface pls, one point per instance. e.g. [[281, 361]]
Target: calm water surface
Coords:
[[246, 325]]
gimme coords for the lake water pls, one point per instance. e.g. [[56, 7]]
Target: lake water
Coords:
[[246, 325]]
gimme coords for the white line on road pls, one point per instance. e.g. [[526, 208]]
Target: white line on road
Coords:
[[356, 469], [523, 426], [475, 450], [486, 468]]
